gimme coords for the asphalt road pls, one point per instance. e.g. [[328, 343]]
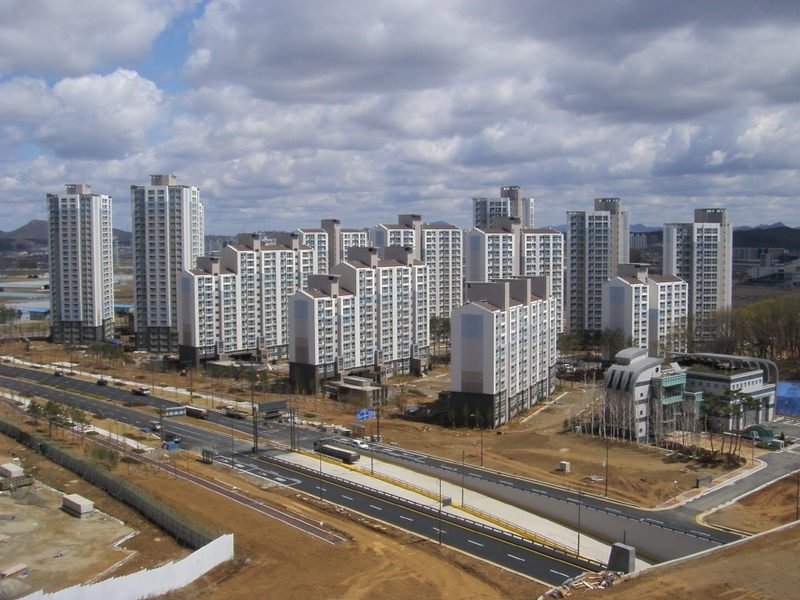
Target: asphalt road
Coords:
[[509, 551], [658, 535]]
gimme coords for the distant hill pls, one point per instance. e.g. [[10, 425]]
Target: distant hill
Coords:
[[774, 237], [748, 228], [34, 230], [639, 228]]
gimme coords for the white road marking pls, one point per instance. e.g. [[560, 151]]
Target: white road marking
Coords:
[[348, 497], [406, 518], [476, 543], [559, 573], [517, 558], [375, 507]]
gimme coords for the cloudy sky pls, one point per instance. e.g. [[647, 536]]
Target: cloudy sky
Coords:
[[285, 113]]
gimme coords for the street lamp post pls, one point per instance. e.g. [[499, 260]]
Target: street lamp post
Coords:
[[578, 551], [480, 425], [253, 411], [606, 493], [463, 470], [440, 511]]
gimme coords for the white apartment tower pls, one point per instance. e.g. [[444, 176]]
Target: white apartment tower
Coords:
[[369, 317], [440, 248], [168, 238], [317, 240], [503, 350], [81, 266], [237, 304], [650, 310], [701, 254], [596, 242], [508, 250], [341, 240], [510, 204]]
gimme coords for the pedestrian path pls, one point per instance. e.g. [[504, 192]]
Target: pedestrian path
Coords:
[[718, 482]]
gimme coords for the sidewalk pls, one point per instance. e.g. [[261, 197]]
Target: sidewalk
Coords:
[[720, 481], [495, 511]]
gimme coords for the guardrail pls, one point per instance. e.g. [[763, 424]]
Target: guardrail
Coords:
[[435, 512]]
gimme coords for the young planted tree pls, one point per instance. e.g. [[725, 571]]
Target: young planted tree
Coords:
[[36, 412]]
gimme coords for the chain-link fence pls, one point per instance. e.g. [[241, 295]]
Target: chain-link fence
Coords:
[[181, 527]]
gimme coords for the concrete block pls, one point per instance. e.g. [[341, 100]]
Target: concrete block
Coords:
[[11, 470], [622, 558], [564, 466], [77, 506]]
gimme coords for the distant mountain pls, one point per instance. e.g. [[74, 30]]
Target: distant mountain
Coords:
[[34, 230], [639, 228], [772, 237], [123, 237], [748, 228]]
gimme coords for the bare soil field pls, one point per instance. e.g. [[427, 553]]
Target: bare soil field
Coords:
[[273, 560]]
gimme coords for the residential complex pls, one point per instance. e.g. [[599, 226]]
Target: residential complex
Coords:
[[503, 350], [168, 237], [341, 240], [368, 316], [509, 204], [236, 304], [596, 242], [81, 266], [701, 253], [650, 310], [508, 250]]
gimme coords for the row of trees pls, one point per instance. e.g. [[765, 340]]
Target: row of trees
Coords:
[[56, 414]]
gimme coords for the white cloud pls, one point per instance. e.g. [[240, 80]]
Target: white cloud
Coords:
[[68, 37]]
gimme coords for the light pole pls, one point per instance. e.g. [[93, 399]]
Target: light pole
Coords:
[[440, 511], [579, 524], [253, 411], [463, 471], [606, 493], [480, 425]]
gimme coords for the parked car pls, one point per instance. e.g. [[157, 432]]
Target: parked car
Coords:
[[172, 437], [141, 391], [102, 382], [58, 373]]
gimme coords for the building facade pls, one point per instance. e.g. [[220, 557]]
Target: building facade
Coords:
[[508, 250], [81, 266], [317, 240], [503, 350], [237, 304], [701, 253], [340, 240], [596, 242], [510, 204], [368, 317], [168, 238]]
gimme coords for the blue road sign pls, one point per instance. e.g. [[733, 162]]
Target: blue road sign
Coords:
[[365, 413]]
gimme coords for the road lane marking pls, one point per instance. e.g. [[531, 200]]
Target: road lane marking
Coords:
[[517, 558], [375, 507], [406, 518], [613, 510], [473, 474], [439, 530], [476, 543], [506, 482], [559, 573], [348, 497]]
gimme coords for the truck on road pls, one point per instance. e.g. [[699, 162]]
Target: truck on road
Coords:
[[348, 457], [198, 412]]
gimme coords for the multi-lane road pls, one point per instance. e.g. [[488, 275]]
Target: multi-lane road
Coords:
[[658, 535]]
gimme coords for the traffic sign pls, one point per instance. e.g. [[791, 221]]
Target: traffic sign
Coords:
[[365, 413]]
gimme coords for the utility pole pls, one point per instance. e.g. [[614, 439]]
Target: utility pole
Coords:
[[606, 493], [253, 410], [463, 471]]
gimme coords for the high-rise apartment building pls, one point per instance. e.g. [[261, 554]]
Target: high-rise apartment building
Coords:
[[701, 253], [168, 238], [508, 250], [650, 310], [596, 242], [510, 204], [317, 240], [81, 266], [503, 350], [237, 304], [439, 247], [368, 316], [341, 240]]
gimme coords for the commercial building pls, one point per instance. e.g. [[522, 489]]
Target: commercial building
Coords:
[[168, 238], [596, 242], [647, 399], [503, 344], [81, 266], [367, 317], [510, 204], [701, 253]]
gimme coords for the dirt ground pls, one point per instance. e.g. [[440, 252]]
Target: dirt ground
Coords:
[[40, 530], [275, 561]]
